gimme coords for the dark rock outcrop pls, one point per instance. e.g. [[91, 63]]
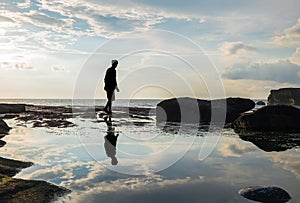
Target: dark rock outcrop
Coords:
[[190, 110], [286, 96], [18, 190], [12, 108], [270, 194], [271, 141], [10, 167], [270, 118], [260, 103], [47, 116], [2, 143], [4, 128]]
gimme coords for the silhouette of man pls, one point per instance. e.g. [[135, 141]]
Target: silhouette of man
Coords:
[[110, 143], [110, 85]]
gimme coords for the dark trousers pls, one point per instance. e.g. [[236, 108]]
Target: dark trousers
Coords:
[[109, 95]]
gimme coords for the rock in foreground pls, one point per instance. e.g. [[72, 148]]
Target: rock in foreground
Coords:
[[260, 103], [269, 194], [286, 96], [4, 128], [11, 167], [270, 118], [12, 108], [18, 190], [190, 110]]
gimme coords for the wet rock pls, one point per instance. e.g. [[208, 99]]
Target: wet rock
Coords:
[[286, 96], [11, 167], [260, 103], [270, 118], [12, 108], [266, 194], [10, 116], [139, 111], [59, 123], [271, 141], [2, 143], [190, 110], [47, 116], [18, 190], [4, 128]]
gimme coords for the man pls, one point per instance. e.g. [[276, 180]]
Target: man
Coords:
[[110, 85]]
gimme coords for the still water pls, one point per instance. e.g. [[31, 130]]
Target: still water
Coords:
[[154, 165]]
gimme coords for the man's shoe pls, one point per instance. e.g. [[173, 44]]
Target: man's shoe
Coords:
[[106, 111]]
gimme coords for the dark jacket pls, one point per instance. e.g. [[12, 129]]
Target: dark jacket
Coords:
[[110, 81]]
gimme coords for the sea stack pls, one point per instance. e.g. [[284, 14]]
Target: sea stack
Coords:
[[284, 96]]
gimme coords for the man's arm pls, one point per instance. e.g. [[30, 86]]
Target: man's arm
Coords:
[[115, 75]]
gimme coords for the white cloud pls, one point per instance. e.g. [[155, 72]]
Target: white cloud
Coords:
[[288, 161], [295, 58], [57, 68], [283, 71], [25, 4], [232, 48], [93, 188], [15, 62], [236, 149], [251, 88], [290, 36], [66, 21]]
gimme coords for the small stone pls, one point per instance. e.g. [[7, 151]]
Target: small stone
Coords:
[[266, 194], [260, 103]]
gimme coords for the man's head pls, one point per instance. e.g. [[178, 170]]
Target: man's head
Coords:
[[114, 63]]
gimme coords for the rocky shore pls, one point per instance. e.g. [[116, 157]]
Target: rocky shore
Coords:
[[239, 113], [19, 190], [38, 116], [281, 113]]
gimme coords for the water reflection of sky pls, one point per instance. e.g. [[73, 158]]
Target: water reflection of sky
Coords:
[[60, 158]]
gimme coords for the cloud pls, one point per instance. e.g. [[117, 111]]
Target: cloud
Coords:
[[59, 23], [289, 161], [9, 65], [16, 61], [236, 149], [232, 48], [283, 71], [295, 58], [25, 4], [57, 68], [290, 36]]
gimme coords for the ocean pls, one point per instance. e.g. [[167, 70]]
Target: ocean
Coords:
[[154, 164], [84, 102]]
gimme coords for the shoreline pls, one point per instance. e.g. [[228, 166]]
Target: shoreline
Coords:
[[15, 189], [47, 116]]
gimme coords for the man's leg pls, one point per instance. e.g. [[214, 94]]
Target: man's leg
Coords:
[[107, 107]]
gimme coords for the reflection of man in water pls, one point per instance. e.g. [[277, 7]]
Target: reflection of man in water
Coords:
[[110, 143], [110, 85]]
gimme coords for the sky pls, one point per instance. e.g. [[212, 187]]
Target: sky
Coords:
[[166, 48]]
